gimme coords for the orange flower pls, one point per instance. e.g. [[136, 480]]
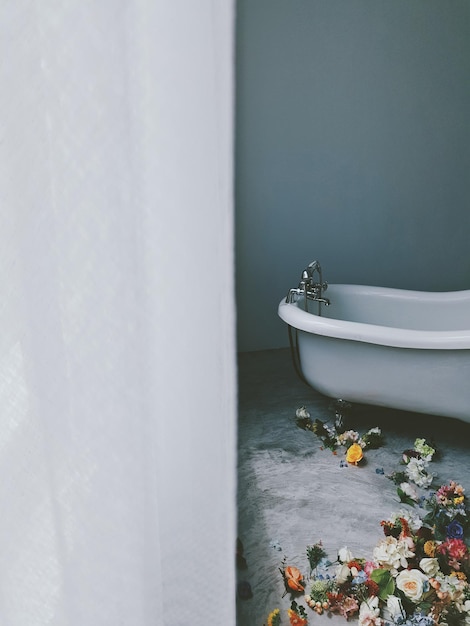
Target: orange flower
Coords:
[[293, 578], [295, 619], [354, 454]]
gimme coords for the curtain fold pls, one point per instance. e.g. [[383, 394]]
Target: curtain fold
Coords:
[[117, 358]]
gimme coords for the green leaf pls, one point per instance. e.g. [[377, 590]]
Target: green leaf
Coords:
[[380, 575], [385, 582], [388, 590]]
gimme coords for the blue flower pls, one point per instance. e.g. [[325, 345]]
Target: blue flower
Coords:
[[360, 578], [421, 620], [454, 530], [417, 619]]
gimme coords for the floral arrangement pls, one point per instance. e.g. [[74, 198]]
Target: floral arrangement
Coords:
[[416, 471], [334, 437], [419, 571]]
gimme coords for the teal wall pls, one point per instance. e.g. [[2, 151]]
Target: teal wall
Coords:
[[352, 147]]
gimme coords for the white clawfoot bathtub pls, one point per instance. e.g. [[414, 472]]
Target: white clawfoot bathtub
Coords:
[[387, 347]]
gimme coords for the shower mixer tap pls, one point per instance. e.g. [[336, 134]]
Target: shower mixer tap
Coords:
[[309, 289]]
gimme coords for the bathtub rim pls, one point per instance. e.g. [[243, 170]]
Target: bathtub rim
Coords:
[[308, 322]]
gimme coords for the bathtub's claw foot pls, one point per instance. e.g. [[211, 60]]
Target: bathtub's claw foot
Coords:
[[341, 408]]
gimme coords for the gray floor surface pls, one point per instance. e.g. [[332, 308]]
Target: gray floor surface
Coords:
[[292, 493]]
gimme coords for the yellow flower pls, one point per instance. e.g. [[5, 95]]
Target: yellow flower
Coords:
[[274, 618], [459, 575], [430, 548], [354, 454], [459, 500]]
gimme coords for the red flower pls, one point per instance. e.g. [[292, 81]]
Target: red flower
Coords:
[[405, 529], [334, 599], [372, 587], [355, 564]]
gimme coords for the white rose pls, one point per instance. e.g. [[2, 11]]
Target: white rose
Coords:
[[345, 555], [394, 608], [413, 583], [342, 573], [429, 566]]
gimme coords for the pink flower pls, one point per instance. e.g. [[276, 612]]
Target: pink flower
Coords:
[[369, 566], [455, 548], [348, 606], [454, 564]]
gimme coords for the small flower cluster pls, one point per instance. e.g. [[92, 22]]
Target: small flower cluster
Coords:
[[415, 473], [448, 512], [332, 438], [317, 599], [424, 449], [297, 615]]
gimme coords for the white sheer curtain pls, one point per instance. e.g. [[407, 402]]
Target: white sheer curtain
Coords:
[[117, 374]]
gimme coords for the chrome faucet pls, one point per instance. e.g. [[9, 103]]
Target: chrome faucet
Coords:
[[310, 289]]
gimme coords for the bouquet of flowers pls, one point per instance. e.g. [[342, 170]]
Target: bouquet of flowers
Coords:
[[418, 574]]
